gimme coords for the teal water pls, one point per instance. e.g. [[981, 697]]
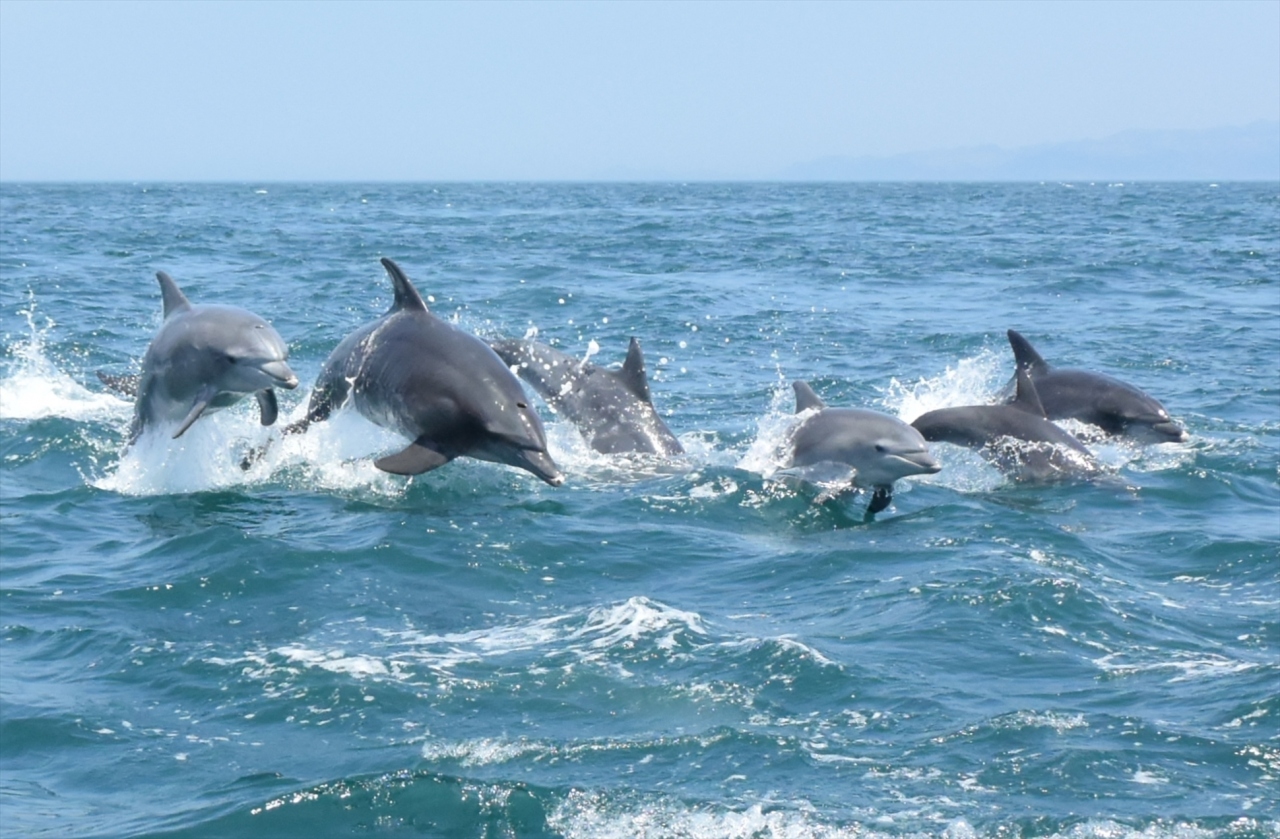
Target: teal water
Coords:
[[682, 649]]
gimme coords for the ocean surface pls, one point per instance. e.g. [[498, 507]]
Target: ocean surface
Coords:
[[684, 648]]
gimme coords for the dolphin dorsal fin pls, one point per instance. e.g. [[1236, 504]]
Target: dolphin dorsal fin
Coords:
[[806, 398], [174, 299], [1027, 398], [633, 375], [407, 297], [1026, 356]]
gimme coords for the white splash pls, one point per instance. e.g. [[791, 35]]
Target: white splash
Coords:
[[33, 387], [768, 452], [972, 381]]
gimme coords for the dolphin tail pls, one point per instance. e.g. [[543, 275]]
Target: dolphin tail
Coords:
[[414, 459]]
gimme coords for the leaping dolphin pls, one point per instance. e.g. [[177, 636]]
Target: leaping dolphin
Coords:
[[879, 448], [1112, 405], [204, 357], [1016, 437], [441, 387], [612, 409]]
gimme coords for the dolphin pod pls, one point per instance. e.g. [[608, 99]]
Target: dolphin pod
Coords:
[[453, 395]]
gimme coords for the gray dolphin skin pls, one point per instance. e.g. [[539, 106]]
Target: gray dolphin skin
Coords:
[[205, 357], [1016, 437], [1110, 404], [880, 448], [612, 409], [443, 388]]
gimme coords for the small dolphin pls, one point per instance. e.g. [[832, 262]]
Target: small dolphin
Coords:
[[1116, 407], [443, 388], [1016, 437], [612, 409], [880, 448], [204, 358]]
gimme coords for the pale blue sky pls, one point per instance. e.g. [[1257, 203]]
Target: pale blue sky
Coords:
[[414, 91]]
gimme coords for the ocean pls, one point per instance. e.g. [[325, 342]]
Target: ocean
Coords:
[[690, 647]]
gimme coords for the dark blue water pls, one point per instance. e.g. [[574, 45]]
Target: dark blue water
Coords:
[[687, 649]]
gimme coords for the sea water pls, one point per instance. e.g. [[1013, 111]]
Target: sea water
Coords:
[[659, 648]]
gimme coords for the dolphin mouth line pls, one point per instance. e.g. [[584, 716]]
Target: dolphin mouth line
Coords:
[[921, 461], [1170, 429]]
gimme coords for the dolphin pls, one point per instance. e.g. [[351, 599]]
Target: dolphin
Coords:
[[879, 448], [1116, 407], [1016, 437], [441, 387], [612, 409], [203, 358]]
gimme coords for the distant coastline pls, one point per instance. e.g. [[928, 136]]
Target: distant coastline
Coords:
[[1243, 153]]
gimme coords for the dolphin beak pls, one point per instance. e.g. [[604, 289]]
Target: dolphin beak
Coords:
[[540, 464], [923, 461], [1171, 431], [280, 371]]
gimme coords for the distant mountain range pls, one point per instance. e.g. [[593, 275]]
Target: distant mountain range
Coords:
[[1248, 153]]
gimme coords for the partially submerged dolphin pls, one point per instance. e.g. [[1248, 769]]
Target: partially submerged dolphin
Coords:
[[443, 388], [204, 357], [879, 448], [612, 409], [1108, 403], [1016, 437]]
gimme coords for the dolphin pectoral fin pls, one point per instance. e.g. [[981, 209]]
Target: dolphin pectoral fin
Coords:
[[881, 498], [123, 385], [413, 459], [203, 398], [268, 406]]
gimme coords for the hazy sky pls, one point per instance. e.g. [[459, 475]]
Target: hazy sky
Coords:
[[410, 91]]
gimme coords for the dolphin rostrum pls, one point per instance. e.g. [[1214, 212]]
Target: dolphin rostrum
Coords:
[[204, 357], [1112, 405], [612, 409], [1016, 437], [879, 448], [441, 387]]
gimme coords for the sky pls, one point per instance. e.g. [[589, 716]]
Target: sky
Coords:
[[283, 91]]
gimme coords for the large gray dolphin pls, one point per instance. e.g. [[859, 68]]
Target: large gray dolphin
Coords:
[[204, 358], [1016, 437], [612, 409], [1112, 405], [879, 448], [443, 388]]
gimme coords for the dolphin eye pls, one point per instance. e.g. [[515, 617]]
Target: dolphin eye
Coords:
[[231, 359], [521, 405], [880, 448]]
